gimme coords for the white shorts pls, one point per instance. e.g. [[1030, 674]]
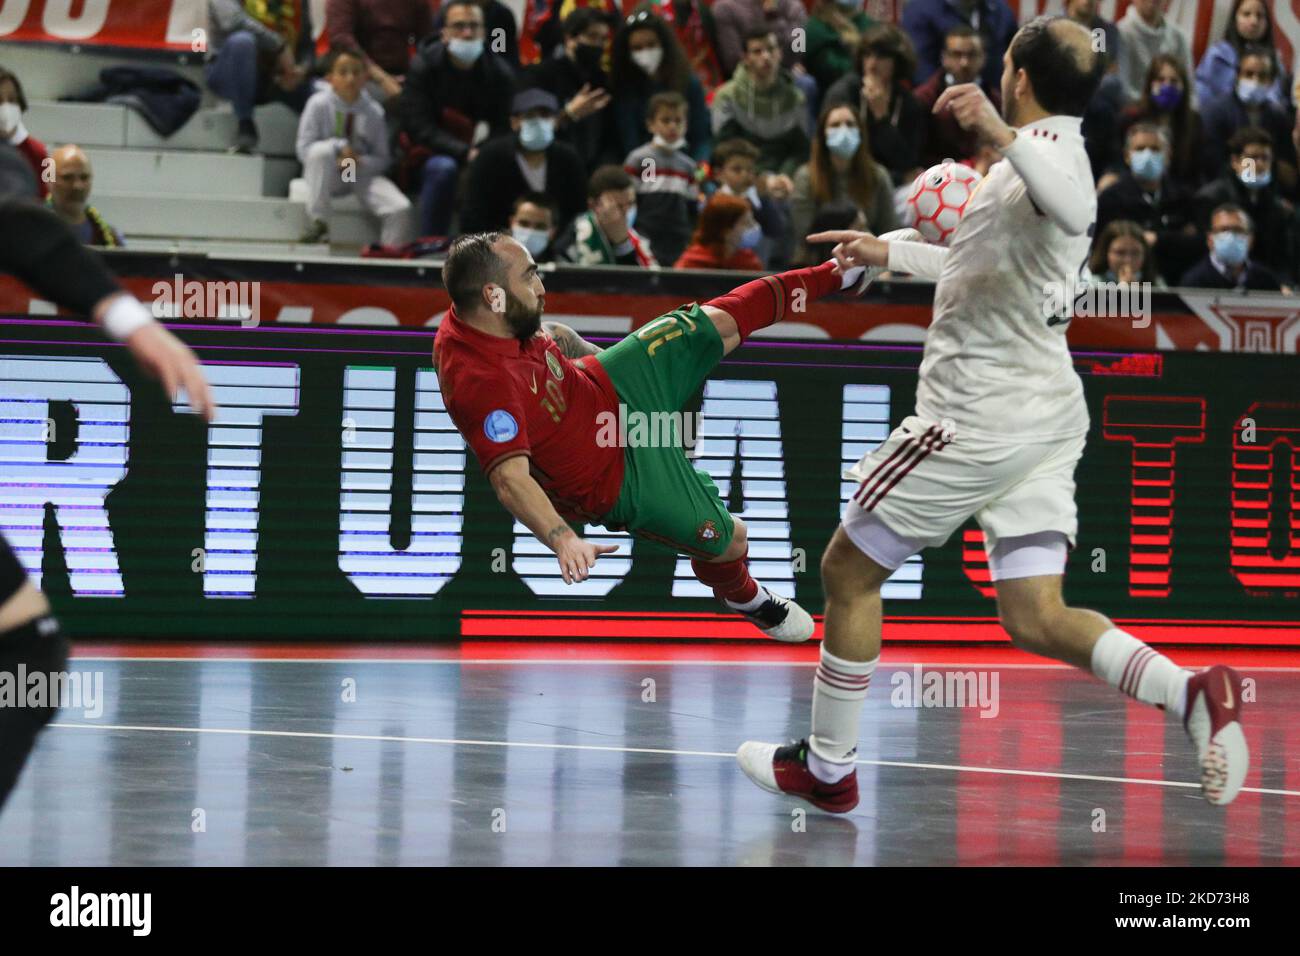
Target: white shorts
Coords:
[[921, 485]]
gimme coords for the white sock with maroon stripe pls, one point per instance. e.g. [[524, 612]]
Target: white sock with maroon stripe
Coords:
[[839, 688], [1123, 661]]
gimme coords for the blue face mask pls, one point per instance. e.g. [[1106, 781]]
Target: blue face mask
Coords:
[[1230, 247], [750, 237], [1147, 163], [843, 141], [534, 240], [537, 134], [1256, 180], [631, 217], [1166, 96], [467, 50]]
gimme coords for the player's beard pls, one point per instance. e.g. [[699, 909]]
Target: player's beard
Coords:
[[1009, 106], [524, 322]]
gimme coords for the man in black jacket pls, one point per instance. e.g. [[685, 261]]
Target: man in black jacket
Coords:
[[529, 159], [1248, 182], [578, 81], [1146, 194], [454, 97], [1228, 264]]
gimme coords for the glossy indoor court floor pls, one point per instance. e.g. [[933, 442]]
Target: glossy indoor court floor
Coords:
[[492, 754]]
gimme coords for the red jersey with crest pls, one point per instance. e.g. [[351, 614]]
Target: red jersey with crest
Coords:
[[513, 398]]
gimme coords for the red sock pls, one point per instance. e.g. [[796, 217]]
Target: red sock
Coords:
[[761, 302], [730, 580]]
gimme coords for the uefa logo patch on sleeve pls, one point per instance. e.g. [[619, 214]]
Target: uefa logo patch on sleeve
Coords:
[[500, 426]]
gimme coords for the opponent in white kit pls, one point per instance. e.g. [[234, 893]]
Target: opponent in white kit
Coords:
[[1000, 424]]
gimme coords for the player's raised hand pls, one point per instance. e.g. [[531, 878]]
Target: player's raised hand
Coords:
[[974, 111], [577, 556], [171, 361]]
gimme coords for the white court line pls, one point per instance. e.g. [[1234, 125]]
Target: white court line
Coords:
[[456, 742], [592, 662]]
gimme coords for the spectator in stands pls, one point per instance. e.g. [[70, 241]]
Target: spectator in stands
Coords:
[[927, 22], [1146, 194], [577, 79], [666, 178], [1165, 103], [384, 31], [737, 19], [541, 36], [529, 159], [735, 167], [500, 30], [13, 104], [1250, 24], [1145, 32], [258, 53], [835, 28], [533, 225], [603, 235], [1123, 253], [841, 168], [1228, 264], [453, 99], [1248, 183], [761, 103], [647, 59], [697, 32], [962, 62], [840, 214], [343, 148], [1247, 104], [70, 199], [1100, 130], [1084, 13], [880, 92], [725, 238]]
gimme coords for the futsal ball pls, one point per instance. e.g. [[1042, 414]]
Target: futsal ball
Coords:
[[938, 198]]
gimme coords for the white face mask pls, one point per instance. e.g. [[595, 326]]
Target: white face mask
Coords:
[[669, 144], [11, 117], [649, 58]]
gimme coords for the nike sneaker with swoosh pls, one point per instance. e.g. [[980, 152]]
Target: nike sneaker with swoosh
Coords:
[[1213, 721]]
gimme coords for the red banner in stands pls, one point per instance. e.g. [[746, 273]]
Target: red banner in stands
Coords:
[[141, 24]]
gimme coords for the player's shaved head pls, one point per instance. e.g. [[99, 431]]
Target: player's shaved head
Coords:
[[473, 261], [1058, 59], [491, 275]]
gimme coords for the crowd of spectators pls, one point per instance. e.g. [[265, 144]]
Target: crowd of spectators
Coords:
[[718, 134]]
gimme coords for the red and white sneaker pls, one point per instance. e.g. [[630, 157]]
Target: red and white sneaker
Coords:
[[1213, 721], [784, 769]]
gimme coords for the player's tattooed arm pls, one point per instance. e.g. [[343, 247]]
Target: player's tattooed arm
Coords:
[[570, 342]]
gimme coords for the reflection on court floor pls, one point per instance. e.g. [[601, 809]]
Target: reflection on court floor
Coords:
[[587, 760]]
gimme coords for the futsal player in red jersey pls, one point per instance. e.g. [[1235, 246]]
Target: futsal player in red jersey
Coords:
[[536, 404]]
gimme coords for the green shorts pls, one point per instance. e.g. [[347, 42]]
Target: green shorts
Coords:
[[664, 498]]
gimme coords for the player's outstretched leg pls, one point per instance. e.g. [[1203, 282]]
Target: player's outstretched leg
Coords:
[[29, 639], [821, 768], [728, 574], [1209, 703]]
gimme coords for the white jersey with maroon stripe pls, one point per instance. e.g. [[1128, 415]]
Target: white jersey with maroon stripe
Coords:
[[995, 367]]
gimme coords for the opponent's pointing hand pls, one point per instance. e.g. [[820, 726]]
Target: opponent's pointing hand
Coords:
[[577, 556], [853, 249]]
